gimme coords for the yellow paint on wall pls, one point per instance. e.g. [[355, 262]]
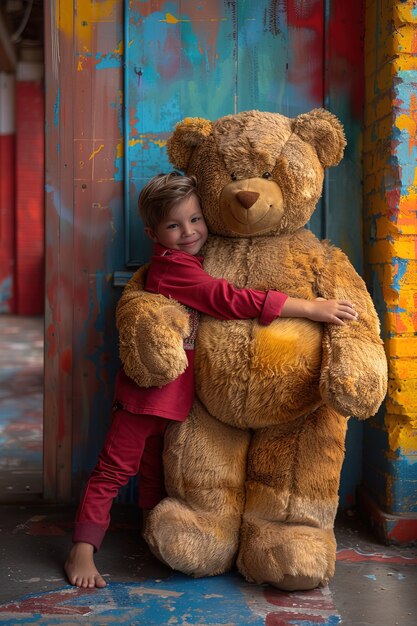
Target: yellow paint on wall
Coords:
[[119, 150], [381, 82], [403, 12], [406, 122], [91, 13], [93, 154], [402, 434], [119, 50], [394, 408], [403, 368], [404, 394], [404, 62], [399, 347], [401, 323], [87, 12], [378, 130], [161, 143], [171, 19], [404, 248], [64, 16]]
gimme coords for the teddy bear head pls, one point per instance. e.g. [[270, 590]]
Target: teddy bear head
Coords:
[[258, 173]]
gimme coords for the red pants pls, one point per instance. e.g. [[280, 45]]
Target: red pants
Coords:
[[133, 445]]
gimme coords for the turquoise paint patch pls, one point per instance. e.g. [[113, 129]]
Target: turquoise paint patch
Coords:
[[56, 107], [108, 61], [403, 482], [66, 216], [5, 294], [402, 265], [404, 89], [391, 479]]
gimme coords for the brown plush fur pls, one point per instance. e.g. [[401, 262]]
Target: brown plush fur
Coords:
[[253, 473]]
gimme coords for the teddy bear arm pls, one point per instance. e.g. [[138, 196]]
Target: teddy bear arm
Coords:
[[151, 332], [354, 366]]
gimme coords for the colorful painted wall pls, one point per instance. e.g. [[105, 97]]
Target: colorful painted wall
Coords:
[[118, 77], [7, 185], [84, 233], [390, 228], [29, 211], [22, 212]]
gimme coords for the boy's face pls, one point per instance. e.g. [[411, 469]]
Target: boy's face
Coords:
[[184, 228]]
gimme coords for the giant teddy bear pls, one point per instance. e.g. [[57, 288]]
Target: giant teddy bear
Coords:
[[252, 476]]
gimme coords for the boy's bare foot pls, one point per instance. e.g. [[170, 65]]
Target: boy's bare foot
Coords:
[[80, 568]]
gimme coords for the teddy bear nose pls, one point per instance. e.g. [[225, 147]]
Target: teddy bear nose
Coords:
[[247, 198]]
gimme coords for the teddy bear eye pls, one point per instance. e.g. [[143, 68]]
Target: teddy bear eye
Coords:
[[233, 176], [267, 175]]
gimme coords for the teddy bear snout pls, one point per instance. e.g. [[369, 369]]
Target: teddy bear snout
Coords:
[[247, 198]]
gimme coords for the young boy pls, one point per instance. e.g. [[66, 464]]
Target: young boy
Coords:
[[172, 215]]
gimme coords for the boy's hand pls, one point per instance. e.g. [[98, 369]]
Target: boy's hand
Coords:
[[332, 311], [320, 310]]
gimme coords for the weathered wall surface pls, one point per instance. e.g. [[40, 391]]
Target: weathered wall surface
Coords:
[[7, 180], [390, 228], [29, 210], [84, 206]]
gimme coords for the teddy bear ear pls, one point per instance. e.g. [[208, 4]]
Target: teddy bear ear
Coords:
[[324, 132], [187, 135]]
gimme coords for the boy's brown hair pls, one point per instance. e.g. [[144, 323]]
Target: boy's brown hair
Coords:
[[161, 193]]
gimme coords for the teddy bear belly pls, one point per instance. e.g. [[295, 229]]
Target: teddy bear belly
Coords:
[[252, 376]]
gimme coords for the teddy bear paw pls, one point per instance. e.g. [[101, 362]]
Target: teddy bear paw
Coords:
[[193, 542], [288, 556]]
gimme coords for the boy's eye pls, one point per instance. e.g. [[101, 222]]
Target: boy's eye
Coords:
[[172, 226]]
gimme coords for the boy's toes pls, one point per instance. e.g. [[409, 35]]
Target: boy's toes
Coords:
[[100, 582]]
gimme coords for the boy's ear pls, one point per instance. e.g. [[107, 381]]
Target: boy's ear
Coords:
[[187, 135], [151, 234]]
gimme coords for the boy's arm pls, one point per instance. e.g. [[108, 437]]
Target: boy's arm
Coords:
[[181, 277]]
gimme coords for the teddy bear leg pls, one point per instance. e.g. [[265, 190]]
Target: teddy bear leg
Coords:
[[287, 537], [196, 529]]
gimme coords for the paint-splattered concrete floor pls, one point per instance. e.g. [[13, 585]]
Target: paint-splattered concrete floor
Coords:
[[373, 585], [21, 406]]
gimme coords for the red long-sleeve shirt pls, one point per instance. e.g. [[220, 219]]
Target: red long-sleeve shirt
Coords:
[[179, 275]]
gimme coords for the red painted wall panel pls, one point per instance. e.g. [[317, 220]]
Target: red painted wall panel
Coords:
[[7, 225], [29, 198]]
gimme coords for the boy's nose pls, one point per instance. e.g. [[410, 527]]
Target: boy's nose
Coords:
[[187, 229]]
